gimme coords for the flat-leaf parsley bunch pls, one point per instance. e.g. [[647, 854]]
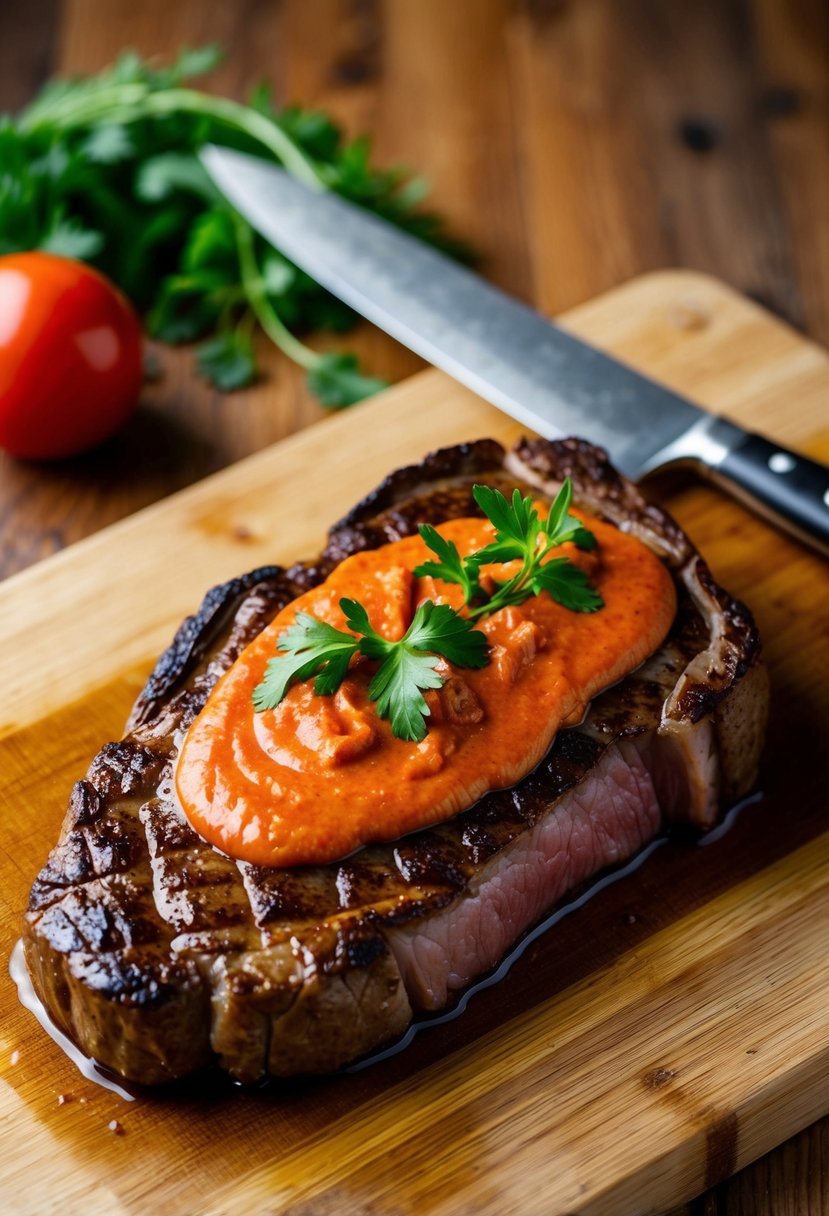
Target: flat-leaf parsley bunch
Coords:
[[105, 169], [314, 649]]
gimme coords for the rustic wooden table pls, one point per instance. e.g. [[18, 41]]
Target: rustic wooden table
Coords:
[[575, 144]]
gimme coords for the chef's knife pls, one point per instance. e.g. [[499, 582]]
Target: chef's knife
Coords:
[[511, 355]]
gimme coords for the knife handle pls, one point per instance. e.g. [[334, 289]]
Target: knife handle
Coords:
[[790, 489]]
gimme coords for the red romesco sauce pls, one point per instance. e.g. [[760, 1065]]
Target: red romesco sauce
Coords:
[[318, 777]]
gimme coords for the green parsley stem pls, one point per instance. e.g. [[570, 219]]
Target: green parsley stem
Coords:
[[505, 594], [242, 118], [63, 113], [266, 314]]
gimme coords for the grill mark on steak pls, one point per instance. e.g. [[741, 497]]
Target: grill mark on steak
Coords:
[[156, 953]]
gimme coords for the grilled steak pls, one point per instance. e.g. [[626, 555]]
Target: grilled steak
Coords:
[[157, 954]]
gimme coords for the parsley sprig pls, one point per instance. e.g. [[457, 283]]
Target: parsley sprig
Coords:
[[105, 168], [408, 667], [520, 535]]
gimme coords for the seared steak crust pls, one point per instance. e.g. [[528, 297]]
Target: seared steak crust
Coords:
[[157, 954]]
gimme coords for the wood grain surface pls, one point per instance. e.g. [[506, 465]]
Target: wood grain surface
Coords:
[[661, 1037], [576, 144]]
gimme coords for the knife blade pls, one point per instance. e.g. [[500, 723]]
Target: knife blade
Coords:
[[512, 356]]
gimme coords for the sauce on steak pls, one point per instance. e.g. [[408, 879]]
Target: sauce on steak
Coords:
[[158, 954]]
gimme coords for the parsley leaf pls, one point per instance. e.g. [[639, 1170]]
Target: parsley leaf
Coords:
[[397, 686], [108, 144], [160, 176], [70, 240], [516, 524], [434, 627], [450, 567], [337, 380], [312, 648], [405, 671], [227, 360], [407, 667], [567, 584], [197, 61], [561, 527], [187, 306], [439, 627]]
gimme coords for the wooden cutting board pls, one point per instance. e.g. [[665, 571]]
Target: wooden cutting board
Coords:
[[658, 1038]]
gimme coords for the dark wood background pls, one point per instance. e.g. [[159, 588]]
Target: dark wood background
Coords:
[[575, 143]]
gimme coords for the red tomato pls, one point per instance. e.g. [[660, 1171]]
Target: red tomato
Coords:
[[70, 356]]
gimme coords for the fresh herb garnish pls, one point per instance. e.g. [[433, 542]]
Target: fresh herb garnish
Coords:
[[105, 169], [520, 535], [312, 648], [409, 666]]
